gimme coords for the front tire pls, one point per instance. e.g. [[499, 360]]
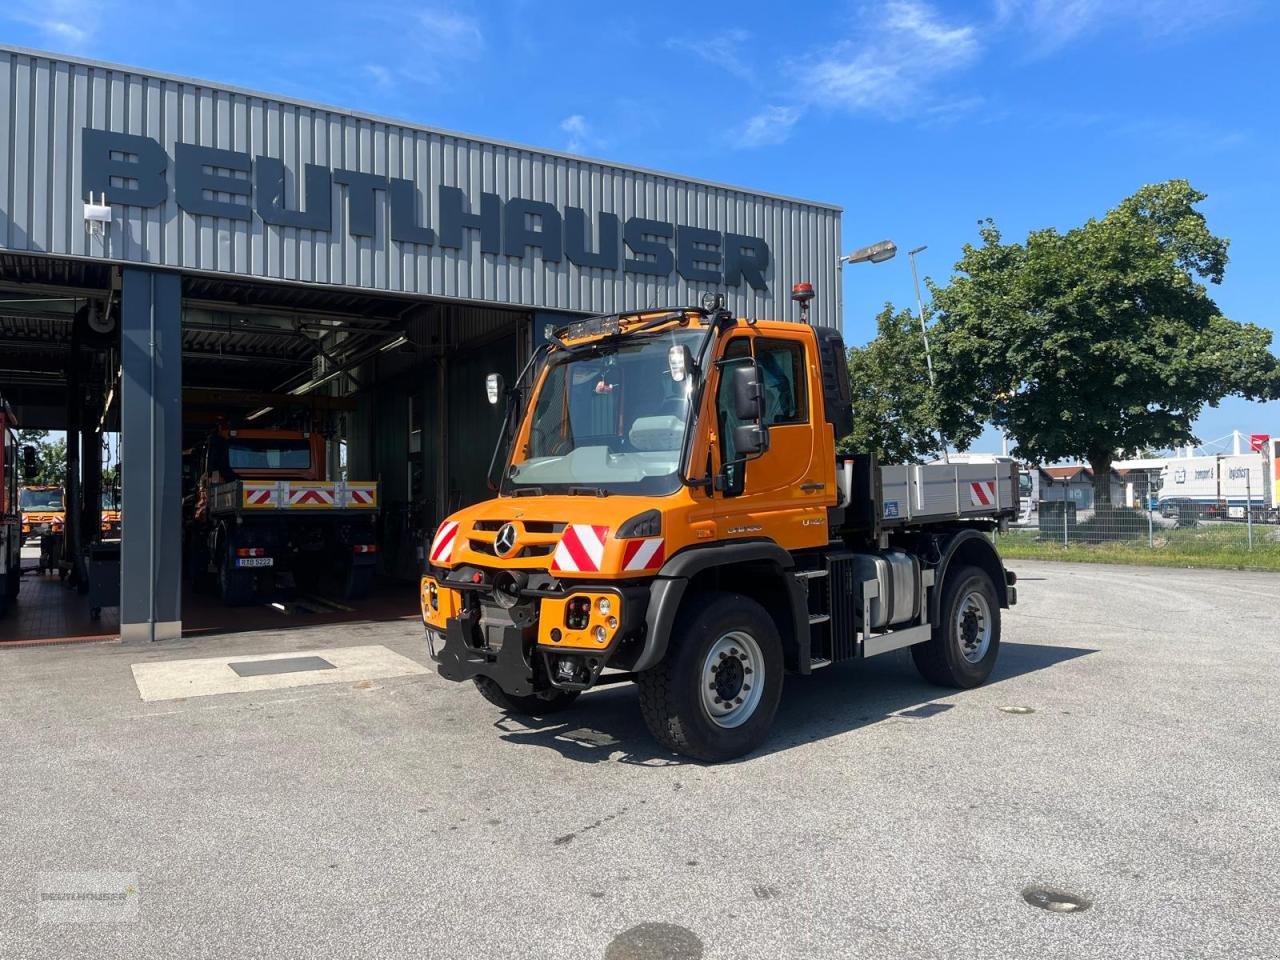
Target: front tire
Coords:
[[532, 705], [966, 639], [713, 697]]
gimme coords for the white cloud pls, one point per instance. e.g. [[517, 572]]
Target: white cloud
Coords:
[[67, 24], [382, 77], [445, 30], [579, 133], [724, 50], [769, 127], [1050, 24], [891, 63]]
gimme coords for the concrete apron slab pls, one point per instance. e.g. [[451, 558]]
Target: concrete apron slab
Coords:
[[241, 673]]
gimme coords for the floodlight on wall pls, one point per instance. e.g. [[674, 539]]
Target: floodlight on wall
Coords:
[[97, 214]]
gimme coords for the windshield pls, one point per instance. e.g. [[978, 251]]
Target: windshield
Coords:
[[610, 419], [41, 499], [109, 500], [244, 454]]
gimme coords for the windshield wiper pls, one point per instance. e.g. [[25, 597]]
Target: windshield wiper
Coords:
[[526, 492], [588, 492]]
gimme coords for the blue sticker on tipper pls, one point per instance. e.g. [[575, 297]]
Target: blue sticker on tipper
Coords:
[[890, 508]]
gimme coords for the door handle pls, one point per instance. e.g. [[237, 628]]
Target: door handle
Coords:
[[811, 487]]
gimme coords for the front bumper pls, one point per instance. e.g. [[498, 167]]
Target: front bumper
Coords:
[[529, 648]]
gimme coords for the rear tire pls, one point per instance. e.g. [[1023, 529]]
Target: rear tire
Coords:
[[714, 695], [533, 704], [966, 639], [238, 587]]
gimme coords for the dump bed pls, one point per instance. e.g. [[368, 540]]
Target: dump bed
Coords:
[[924, 493], [293, 496]]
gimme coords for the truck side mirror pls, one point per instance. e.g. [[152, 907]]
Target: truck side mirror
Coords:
[[748, 398], [750, 439], [493, 388], [29, 467]]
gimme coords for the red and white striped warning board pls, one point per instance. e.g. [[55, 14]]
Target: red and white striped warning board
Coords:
[[982, 493], [644, 554], [442, 545], [581, 549], [259, 495]]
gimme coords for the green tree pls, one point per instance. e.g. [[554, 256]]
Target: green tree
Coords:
[[51, 458], [893, 415], [1098, 341]]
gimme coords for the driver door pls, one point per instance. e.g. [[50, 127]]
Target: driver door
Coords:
[[784, 491]]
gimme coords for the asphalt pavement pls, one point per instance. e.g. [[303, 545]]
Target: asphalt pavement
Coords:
[[1123, 767]]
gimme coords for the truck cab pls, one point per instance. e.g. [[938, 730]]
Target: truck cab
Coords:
[[44, 510], [670, 509]]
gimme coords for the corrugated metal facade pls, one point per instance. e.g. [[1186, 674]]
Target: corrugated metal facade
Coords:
[[46, 104]]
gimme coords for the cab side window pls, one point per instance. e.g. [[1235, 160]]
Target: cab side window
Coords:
[[782, 374], [726, 419]]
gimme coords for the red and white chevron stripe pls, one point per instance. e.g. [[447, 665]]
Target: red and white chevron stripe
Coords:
[[982, 493], [442, 545], [644, 554], [360, 496], [311, 496], [581, 549], [259, 496]]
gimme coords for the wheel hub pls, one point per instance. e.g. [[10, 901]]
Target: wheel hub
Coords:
[[973, 626], [732, 679]]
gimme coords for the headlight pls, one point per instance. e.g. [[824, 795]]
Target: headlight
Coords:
[[604, 606]]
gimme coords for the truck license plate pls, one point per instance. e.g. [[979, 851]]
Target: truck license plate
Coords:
[[255, 562]]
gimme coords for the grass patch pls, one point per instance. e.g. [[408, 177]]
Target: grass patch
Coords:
[[1222, 546]]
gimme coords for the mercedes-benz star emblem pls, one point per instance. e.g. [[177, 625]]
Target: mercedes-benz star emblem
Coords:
[[504, 544]]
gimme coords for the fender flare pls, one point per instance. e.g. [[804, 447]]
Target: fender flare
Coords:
[[668, 588], [948, 551]]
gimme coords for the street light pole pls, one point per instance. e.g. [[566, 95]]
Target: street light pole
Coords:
[[924, 332]]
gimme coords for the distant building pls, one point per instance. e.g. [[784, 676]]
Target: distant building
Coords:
[[1074, 482]]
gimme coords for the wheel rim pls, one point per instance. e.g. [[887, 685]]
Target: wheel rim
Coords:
[[973, 626], [732, 679]]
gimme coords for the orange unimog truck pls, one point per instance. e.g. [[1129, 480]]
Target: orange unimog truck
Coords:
[[44, 511], [672, 511], [264, 518]]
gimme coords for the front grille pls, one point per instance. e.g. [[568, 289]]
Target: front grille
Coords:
[[530, 550], [530, 526]]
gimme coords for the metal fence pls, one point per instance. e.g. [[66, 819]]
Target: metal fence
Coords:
[[1175, 533]]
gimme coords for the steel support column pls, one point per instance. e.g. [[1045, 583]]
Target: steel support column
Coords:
[[151, 456]]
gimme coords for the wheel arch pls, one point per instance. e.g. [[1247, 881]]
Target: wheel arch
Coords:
[[968, 548], [757, 568]]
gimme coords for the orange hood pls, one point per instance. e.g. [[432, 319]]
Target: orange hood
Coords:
[[574, 536]]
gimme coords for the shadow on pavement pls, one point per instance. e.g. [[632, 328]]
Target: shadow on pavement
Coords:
[[605, 725]]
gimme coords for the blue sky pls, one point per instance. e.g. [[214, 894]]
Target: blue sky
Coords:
[[919, 118]]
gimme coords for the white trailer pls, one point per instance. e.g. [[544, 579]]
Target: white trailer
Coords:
[[1222, 486]]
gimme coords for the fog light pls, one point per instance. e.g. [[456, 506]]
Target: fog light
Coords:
[[604, 606], [600, 634]]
